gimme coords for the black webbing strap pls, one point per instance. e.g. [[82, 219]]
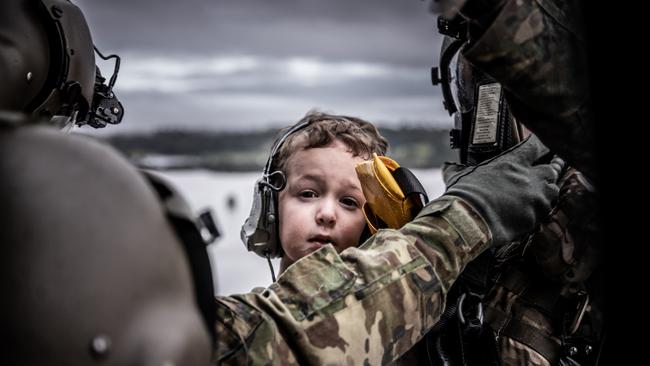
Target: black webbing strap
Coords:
[[546, 346], [409, 183], [545, 297]]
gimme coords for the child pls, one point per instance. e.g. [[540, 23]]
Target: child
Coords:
[[322, 200], [336, 303]]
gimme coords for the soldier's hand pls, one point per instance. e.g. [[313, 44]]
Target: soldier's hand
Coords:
[[512, 191]]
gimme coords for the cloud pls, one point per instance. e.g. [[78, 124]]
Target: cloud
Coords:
[[399, 31], [238, 73], [249, 63]]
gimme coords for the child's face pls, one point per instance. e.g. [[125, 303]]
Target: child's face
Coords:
[[322, 201]]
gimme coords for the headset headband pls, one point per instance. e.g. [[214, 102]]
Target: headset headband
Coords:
[[299, 126], [274, 151]]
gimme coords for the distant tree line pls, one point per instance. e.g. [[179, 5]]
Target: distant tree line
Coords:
[[413, 147]]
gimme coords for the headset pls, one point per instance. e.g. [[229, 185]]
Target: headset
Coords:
[[260, 230], [483, 124]]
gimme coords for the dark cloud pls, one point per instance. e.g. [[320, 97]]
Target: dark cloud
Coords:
[[168, 46], [389, 30]]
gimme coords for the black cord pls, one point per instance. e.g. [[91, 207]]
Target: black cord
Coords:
[[268, 259], [111, 83]]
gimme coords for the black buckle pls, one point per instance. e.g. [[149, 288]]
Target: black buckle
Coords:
[[454, 28], [573, 324]]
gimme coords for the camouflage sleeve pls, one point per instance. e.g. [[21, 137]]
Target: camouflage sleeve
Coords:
[[536, 49], [366, 305]]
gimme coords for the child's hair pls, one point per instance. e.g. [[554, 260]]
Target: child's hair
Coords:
[[361, 137]]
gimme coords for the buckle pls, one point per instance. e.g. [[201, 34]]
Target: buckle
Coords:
[[580, 309], [475, 319]]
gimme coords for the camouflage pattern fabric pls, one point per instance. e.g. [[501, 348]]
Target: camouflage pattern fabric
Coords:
[[558, 263], [515, 353], [392, 288], [536, 49], [566, 245]]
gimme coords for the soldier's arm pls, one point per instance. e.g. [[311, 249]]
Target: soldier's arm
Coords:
[[368, 304], [373, 303], [537, 51]]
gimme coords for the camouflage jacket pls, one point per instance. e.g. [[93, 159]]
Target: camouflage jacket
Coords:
[[366, 305], [548, 299], [544, 296], [536, 49]]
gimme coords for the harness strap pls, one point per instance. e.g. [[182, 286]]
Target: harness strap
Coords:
[[546, 346]]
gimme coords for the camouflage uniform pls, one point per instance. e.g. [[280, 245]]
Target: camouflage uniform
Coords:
[[393, 287], [536, 49], [545, 304], [548, 298]]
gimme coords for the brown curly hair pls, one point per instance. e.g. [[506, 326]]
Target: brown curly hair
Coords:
[[361, 137]]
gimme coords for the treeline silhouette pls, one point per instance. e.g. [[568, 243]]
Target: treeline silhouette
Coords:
[[413, 147]]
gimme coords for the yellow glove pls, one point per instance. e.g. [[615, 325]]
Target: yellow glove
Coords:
[[387, 205]]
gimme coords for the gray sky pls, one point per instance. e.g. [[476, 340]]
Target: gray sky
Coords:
[[241, 64]]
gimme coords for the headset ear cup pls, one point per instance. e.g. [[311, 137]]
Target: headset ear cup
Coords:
[[251, 234], [260, 230]]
